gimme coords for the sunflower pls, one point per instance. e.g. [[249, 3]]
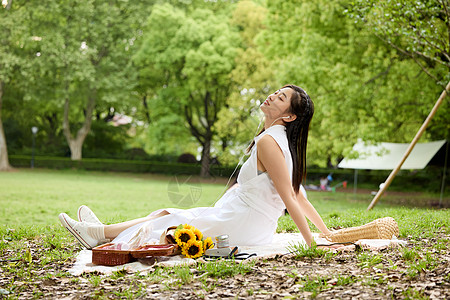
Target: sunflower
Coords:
[[183, 236], [208, 243], [197, 233], [187, 226], [193, 249]]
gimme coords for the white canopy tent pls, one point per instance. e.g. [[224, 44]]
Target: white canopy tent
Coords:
[[385, 156]]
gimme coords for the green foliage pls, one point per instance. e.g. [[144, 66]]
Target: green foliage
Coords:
[[76, 53], [186, 58], [183, 273], [192, 73], [116, 165], [135, 290], [419, 263], [353, 78], [304, 251], [157, 275], [14, 134], [15, 37], [345, 280], [105, 140], [409, 254], [252, 79], [417, 29], [118, 274], [226, 268], [368, 260], [165, 135], [95, 280], [411, 293], [418, 32], [313, 284]]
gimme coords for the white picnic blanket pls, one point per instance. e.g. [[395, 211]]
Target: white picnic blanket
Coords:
[[280, 241]]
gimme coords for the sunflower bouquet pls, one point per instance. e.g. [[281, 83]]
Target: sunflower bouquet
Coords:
[[191, 241]]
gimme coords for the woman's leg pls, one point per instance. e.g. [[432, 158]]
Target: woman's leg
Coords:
[[113, 230], [92, 234]]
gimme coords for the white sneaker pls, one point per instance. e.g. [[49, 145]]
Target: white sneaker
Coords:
[[79, 230], [85, 214]]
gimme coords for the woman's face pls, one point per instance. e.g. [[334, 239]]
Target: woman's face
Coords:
[[277, 104]]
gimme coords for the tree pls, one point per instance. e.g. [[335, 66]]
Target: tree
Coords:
[[84, 59], [4, 162], [361, 87], [13, 36], [252, 81], [189, 56], [418, 31]]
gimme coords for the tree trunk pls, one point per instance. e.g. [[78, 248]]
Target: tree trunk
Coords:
[[4, 161], [147, 114], [206, 158], [205, 135], [52, 120], [329, 163], [76, 148], [76, 144]]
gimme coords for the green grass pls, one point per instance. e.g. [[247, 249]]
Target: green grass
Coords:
[[411, 293], [32, 240], [368, 260], [344, 280], [303, 251], [36, 197], [30, 199], [225, 268], [313, 284]]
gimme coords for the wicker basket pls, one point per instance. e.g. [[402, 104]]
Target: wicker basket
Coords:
[[154, 250], [108, 256], [384, 228], [104, 255]]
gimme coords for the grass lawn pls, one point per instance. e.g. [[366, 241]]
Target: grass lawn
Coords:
[[34, 246], [36, 197]]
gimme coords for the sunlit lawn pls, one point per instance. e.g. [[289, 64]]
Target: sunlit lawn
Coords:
[[36, 197]]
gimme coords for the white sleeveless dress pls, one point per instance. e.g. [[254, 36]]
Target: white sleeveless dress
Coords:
[[248, 214]]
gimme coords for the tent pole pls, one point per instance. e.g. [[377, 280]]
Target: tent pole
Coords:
[[443, 175], [410, 147], [355, 181]]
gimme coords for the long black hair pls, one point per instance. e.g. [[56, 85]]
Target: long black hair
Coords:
[[297, 132]]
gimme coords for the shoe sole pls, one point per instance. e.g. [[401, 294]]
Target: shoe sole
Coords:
[[66, 225]]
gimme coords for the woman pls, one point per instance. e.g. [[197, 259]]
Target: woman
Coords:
[[268, 183]]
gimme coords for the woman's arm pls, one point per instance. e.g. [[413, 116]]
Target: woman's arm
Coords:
[[311, 213], [271, 157]]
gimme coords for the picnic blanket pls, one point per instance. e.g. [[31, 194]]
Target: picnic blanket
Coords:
[[279, 245]]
